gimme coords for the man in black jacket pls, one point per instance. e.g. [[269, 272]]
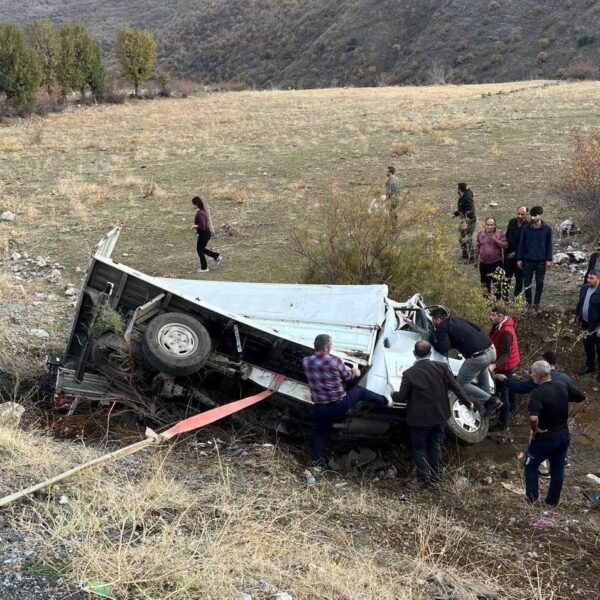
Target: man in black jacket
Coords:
[[548, 408], [534, 255], [513, 237], [587, 313], [593, 264], [424, 389], [478, 351], [466, 212]]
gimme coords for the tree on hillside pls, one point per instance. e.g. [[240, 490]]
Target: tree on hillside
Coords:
[[135, 50], [19, 73], [44, 40], [80, 61]]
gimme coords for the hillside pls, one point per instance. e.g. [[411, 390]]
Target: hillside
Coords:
[[318, 43]]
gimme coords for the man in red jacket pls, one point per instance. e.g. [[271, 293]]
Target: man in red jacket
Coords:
[[505, 342]]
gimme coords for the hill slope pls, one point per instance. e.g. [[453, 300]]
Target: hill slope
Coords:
[[317, 43]]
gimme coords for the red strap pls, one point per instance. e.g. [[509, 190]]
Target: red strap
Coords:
[[215, 414]]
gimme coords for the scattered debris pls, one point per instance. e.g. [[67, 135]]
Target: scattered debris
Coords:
[[593, 478], [543, 523], [39, 333], [10, 414], [7, 215], [15, 256], [310, 478], [97, 588]]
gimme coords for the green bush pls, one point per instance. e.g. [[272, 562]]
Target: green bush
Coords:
[[585, 40], [346, 245], [352, 44]]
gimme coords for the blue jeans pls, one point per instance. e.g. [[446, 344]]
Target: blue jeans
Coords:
[[477, 367], [507, 396], [426, 444], [537, 268], [324, 415], [552, 447]]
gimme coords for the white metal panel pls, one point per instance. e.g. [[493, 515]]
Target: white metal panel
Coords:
[[351, 314]]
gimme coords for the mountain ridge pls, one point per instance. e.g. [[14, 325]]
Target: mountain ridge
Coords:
[[318, 43]]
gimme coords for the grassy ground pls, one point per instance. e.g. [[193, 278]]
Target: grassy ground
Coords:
[[264, 160], [215, 519]]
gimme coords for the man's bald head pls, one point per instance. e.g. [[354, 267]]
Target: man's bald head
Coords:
[[422, 349]]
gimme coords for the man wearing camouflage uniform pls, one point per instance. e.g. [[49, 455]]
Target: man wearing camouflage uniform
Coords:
[[466, 212], [392, 191]]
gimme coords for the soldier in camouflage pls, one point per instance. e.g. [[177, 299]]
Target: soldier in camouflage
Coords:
[[392, 191]]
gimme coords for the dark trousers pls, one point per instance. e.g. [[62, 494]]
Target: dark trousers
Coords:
[[511, 270], [426, 444], [492, 277], [324, 415], [203, 238], [537, 268], [551, 447], [508, 397], [591, 345], [465, 239]]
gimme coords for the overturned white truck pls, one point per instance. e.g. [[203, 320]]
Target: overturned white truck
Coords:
[[215, 341]]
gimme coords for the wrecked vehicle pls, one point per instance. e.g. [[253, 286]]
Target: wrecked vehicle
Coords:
[[208, 342]]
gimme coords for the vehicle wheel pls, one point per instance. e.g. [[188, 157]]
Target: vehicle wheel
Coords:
[[465, 426], [176, 344], [112, 355]]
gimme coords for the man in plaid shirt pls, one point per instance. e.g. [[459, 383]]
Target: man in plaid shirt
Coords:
[[325, 373]]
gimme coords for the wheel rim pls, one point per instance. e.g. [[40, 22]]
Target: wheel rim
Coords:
[[466, 419], [177, 340]]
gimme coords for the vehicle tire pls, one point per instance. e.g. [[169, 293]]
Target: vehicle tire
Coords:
[[112, 355], [176, 344], [464, 426]]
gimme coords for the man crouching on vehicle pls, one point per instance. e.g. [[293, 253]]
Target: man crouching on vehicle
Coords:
[[424, 389], [325, 374]]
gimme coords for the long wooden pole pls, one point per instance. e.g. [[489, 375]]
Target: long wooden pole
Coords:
[[151, 439]]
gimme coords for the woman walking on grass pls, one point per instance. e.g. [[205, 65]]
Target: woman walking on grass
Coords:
[[203, 231]]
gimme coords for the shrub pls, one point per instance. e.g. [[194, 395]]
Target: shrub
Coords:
[[544, 42], [585, 40], [403, 149], [111, 93], [516, 36], [19, 72], [541, 57], [164, 79], [352, 44], [345, 245], [581, 184], [582, 69]]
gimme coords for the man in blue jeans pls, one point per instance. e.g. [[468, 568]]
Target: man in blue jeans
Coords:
[[424, 389], [325, 374], [535, 254], [548, 418]]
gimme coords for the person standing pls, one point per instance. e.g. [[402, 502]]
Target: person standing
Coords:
[[466, 213], [392, 191], [478, 351], [513, 237], [201, 227], [325, 374], [548, 409], [504, 338], [489, 246], [534, 255], [424, 389], [587, 313]]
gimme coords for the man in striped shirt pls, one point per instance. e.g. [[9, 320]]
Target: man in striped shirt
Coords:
[[325, 374]]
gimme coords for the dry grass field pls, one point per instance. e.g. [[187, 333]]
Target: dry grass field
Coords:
[[264, 159], [194, 522]]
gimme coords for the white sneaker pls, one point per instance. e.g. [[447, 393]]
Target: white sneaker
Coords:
[[201, 270], [218, 260]]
